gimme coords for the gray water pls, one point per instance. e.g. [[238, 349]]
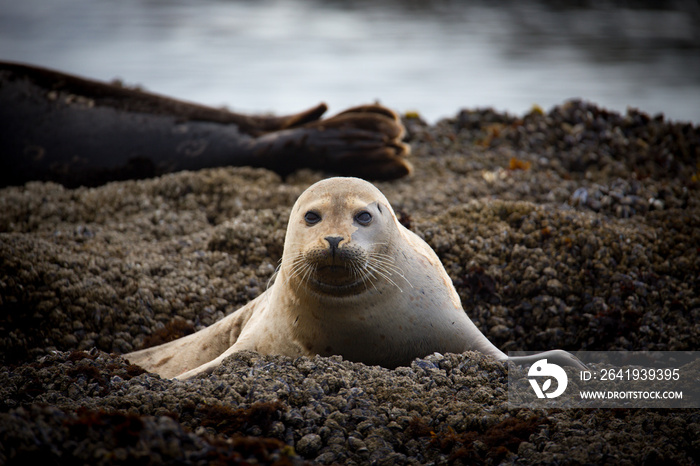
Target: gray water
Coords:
[[432, 57]]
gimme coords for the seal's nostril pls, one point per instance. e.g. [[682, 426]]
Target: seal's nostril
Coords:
[[334, 241]]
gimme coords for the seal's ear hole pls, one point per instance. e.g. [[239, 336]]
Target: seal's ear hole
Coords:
[[379, 208], [312, 218], [364, 218]]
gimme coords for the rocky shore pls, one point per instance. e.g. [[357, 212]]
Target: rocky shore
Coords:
[[574, 228]]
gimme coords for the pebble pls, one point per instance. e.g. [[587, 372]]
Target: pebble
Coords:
[[309, 445]]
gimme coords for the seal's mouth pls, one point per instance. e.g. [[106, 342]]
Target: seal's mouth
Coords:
[[336, 279]]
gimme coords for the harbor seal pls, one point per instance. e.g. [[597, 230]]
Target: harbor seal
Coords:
[[353, 282], [81, 132]]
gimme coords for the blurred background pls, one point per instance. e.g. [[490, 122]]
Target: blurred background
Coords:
[[433, 57]]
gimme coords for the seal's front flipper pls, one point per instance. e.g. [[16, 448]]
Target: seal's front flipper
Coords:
[[371, 108], [266, 124], [208, 367], [559, 357], [192, 351], [361, 141]]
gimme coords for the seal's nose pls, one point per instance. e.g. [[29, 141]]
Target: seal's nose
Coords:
[[334, 241]]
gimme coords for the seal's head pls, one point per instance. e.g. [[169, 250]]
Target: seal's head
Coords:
[[339, 238]]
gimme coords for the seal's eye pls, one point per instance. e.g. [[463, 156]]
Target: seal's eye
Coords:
[[364, 218], [312, 218]]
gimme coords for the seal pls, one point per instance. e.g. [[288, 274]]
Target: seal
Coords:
[[80, 132], [353, 282]]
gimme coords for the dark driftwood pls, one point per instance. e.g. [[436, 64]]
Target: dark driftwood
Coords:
[[76, 131]]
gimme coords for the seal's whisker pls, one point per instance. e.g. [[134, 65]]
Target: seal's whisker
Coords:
[[386, 261], [398, 272], [384, 274], [274, 275], [355, 272], [388, 257], [298, 268], [386, 264], [299, 273], [360, 271], [309, 270]]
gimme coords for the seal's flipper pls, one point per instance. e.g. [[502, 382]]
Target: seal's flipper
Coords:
[[207, 368], [373, 108], [559, 357], [374, 118], [192, 351], [361, 141], [268, 124]]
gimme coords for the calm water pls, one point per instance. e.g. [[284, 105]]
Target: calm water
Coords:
[[282, 56]]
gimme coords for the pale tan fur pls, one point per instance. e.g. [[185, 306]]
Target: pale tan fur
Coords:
[[384, 298]]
